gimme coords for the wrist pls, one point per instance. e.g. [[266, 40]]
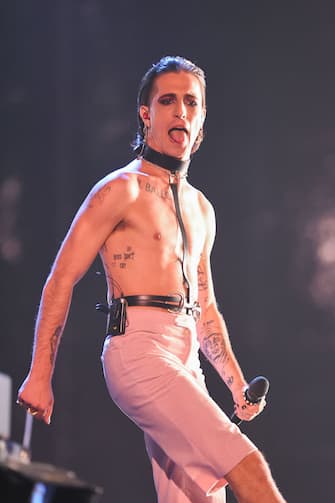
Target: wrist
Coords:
[[40, 375], [239, 389]]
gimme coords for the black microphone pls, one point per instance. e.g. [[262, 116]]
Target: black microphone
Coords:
[[256, 390]]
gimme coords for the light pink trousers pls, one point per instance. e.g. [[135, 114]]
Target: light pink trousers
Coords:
[[153, 374]]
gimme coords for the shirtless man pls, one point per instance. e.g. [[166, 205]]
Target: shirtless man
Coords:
[[154, 233]]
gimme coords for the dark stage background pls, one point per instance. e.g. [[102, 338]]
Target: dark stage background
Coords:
[[69, 77]]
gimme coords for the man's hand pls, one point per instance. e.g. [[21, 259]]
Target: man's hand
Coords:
[[37, 397], [245, 410]]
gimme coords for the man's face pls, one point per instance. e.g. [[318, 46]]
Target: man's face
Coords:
[[175, 114]]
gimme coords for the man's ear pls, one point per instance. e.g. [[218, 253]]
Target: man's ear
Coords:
[[144, 114]]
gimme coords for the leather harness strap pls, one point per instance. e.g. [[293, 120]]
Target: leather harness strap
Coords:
[[174, 189]]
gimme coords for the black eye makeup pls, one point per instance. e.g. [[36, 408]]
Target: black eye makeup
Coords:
[[166, 99]]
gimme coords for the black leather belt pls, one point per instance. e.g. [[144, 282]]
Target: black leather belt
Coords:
[[116, 310], [173, 303]]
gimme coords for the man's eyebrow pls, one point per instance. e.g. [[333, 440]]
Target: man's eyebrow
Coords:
[[193, 96], [167, 95], [172, 95]]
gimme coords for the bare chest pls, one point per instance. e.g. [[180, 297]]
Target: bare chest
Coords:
[[165, 214], [152, 221]]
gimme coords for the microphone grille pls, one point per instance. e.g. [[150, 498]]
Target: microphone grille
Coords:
[[257, 388]]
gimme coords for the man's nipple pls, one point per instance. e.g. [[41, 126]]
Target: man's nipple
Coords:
[[157, 236]]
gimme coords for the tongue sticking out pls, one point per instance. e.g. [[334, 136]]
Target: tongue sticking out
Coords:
[[178, 135]]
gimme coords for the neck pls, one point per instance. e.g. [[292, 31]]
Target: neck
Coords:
[[165, 161]]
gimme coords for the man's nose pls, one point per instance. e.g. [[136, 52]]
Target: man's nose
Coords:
[[180, 111]]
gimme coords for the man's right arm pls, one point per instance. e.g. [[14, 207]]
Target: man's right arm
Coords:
[[92, 225]]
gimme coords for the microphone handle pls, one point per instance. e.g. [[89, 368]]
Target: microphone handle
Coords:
[[252, 396], [235, 419]]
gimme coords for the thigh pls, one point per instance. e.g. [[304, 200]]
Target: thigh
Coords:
[[173, 484]]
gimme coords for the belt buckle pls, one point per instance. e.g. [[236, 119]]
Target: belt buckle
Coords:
[[179, 307]]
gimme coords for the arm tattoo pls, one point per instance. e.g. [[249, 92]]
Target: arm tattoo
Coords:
[[215, 348], [99, 196], [54, 343], [230, 381], [202, 279]]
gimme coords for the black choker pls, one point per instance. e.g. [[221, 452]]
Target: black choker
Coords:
[[165, 161]]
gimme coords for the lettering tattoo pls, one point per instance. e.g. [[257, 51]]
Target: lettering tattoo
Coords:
[[122, 258], [153, 189], [54, 343], [129, 254]]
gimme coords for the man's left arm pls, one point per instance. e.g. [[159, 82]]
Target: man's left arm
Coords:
[[213, 334]]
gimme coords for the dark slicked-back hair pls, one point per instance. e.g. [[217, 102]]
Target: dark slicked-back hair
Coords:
[[167, 64]]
